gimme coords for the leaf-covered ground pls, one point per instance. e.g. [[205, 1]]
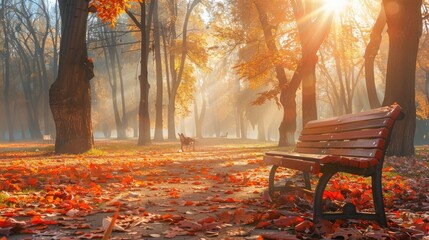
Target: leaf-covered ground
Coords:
[[217, 191]]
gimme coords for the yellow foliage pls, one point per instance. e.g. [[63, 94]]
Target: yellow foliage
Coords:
[[422, 110], [185, 93]]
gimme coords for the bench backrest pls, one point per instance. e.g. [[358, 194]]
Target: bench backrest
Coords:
[[363, 135]]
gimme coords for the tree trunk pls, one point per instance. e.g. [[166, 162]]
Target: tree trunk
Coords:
[[177, 77], [404, 22], [309, 107], [158, 136], [288, 125], [6, 74], [70, 95], [124, 119], [287, 95], [310, 44], [144, 120], [371, 52]]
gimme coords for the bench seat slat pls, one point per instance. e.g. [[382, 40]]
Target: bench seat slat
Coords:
[[372, 153], [372, 123], [293, 163], [361, 143], [356, 117], [313, 162], [362, 134]]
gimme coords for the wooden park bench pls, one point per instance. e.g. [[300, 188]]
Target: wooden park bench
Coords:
[[353, 143], [186, 142]]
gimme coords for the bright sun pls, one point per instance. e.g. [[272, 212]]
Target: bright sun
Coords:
[[336, 5]]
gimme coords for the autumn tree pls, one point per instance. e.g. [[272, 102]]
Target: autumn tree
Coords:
[[177, 73], [404, 27], [6, 70], [371, 52], [69, 95]]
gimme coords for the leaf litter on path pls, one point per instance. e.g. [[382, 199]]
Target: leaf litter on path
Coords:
[[217, 191]]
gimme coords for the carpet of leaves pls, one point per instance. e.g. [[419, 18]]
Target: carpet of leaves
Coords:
[[217, 192]]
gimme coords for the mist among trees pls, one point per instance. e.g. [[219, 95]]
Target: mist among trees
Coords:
[[237, 69]]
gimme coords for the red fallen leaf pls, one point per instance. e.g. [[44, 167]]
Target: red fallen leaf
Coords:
[[190, 226], [33, 181], [279, 236], [90, 236], [324, 227], [263, 224], [175, 231], [11, 200], [208, 219], [240, 216], [287, 221], [9, 214], [188, 203], [229, 192], [225, 216], [266, 197], [214, 226], [304, 226], [36, 220]]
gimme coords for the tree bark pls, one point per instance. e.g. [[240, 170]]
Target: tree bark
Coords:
[[371, 52], [70, 95], [144, 120], [404, 22], [6, 75], [310, 44], [158, 135]]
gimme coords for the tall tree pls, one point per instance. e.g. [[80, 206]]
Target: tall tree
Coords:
[[144, 26], [69, 95], [371, 52], [312, 33], [6, 72], [313, 22], [158, 135], [404, 23], [177, 74]]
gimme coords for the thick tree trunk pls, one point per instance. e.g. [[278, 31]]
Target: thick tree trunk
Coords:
[[158, 135], [371, 52], [70, 95], [309, 107], [310, 44], [288, 125], [404, 22]]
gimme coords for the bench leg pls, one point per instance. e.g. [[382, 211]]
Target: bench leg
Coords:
[[377, 195], [271, 180], [306, 177], [318, 195]]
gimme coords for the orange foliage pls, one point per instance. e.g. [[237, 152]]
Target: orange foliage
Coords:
[[109, 10]]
